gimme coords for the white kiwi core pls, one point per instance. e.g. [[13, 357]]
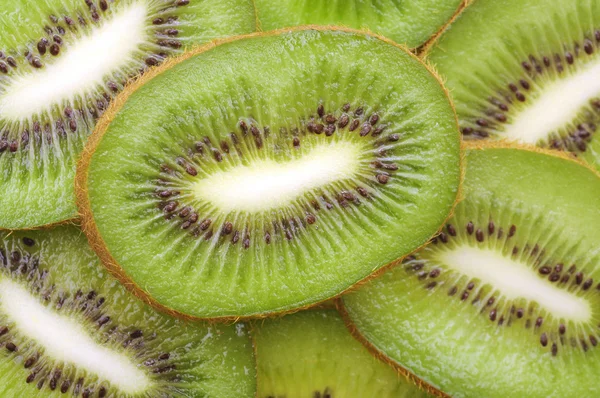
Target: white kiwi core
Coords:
[[557, 105], [516, 280], [65, 340], [79, 69], [267, 184]]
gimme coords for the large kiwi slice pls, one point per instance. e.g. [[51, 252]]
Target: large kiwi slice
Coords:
[[409, 22], [311, 354], [67, 329], [505, 302], [526, 70], [61, 62], [270, 172]]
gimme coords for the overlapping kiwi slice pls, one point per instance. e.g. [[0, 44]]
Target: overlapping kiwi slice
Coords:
[[270, 172], [312, 355], [505, 302], [61, 62], [526, 70], [410, 22], [68, 330]]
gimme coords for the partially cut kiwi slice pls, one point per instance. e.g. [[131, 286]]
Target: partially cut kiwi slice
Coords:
[[61, 62], [68, 329], [311, 354], [409, 22], [270, 172], [505, 302], [527, 71]]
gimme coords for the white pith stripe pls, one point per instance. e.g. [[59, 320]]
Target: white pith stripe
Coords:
[[557, 106], [79, 68], [515, 280], [267, 184], [65, 340]]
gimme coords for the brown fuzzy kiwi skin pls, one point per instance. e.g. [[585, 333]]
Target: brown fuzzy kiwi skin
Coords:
[[423, 49], [467, 145], [83, 202]]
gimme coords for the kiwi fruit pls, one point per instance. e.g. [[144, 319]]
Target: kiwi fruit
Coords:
[[409, 22], [269, 172], [526, 71], [61, 62], [311, 354], [505, 301], [68, 329]]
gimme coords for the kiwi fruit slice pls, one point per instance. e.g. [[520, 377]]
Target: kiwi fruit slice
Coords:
[[526, 71], [61, 62], [505, 301], [68, 329], [409, 22], [311, 354], [270, 172]]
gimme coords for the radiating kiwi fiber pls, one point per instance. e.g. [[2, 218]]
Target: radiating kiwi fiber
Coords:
[[61, 62], [505, 301], [270, 172], [67, 329], [527, 71]]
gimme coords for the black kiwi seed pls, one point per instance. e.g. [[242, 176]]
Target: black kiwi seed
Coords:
[[479, 235], [54, 49], [28, 241], [470, 228], [544, 270], [344, 120]]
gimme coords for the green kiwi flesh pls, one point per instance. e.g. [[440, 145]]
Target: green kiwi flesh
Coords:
[[526, 70], [409, 22], [67, 329], [61, 62], [311, 354], [272, 172], [505, 302]]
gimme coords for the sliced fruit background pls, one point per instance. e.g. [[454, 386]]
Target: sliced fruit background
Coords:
[[180, 206], [66, 327], [61, 62], [409, 22], [505, 301]]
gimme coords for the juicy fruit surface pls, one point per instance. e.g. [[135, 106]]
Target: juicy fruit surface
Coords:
[[229, 191], [67, 329], [312, 354], [407, 22], [505, 301], [526, 70], [61, 62]]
